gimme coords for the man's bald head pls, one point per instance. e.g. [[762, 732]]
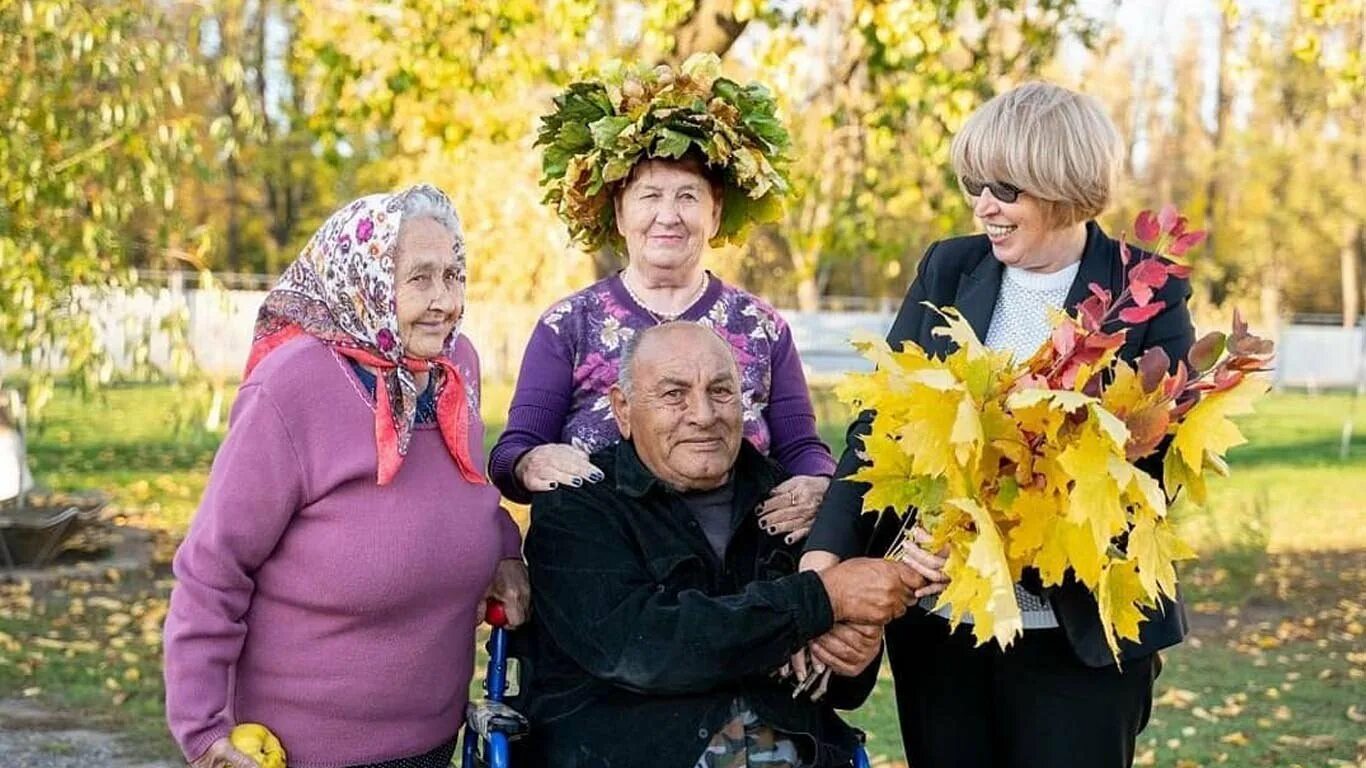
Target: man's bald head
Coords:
[[678, 401], [675, 337]]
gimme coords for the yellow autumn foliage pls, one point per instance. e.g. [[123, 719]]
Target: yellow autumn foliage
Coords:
[[1010, 476]]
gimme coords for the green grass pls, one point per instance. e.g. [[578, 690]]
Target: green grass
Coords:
[[1276, 600]]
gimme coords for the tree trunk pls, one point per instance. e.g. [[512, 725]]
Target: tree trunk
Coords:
[[808, 293], [1214, 187], [1350, 259], [711, 27]]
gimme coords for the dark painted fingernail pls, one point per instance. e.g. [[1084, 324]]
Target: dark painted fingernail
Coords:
[[554, 485], [596, 476], [788, 539], [576, 482], [759, 508]]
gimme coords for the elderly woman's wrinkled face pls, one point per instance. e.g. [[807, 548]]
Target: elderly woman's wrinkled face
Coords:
[[667, 212], [684, 411], [430, 292]]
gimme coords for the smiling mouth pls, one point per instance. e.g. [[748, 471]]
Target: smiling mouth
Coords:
[[998, 231]]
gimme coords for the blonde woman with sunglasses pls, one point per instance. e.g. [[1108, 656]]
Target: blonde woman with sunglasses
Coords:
[[1037, 165]]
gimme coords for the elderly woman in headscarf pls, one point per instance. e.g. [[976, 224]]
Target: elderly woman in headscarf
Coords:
[[332, 579], [657, 165]]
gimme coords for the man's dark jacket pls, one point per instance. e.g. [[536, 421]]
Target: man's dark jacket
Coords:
[[640, 637], [962, 273]]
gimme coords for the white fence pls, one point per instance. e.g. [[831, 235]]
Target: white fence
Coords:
[[220, 324]]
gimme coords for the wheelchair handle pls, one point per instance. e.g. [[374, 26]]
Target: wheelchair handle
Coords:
[[495, 614]]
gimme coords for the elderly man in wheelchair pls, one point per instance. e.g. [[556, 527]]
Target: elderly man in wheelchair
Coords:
[[668, 628]]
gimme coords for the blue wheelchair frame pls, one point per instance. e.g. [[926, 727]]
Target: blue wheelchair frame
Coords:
[[495, 742], [495, 745]]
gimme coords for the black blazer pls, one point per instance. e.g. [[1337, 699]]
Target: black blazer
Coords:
[[961, 272]]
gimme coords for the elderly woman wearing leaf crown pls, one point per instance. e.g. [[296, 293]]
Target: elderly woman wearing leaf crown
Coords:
[[1037, 166], [659, 164], [331, 582]]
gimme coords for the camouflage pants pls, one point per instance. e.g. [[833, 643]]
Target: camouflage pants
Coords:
[[744, 742]]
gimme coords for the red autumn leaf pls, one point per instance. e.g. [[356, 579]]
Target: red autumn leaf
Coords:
[[1179, 228], [1101, 293], [1103, 341], [1179, 271], [1146, 226], [1248, 364], [1137, 315], [1064, 338], [1094, 386], [1187, 241], [1150, 271], [1142, 292], [1153, 367], [1225, 380], [1168, 217], [1176, 383], [1182, 407], [1147, 427], [1090, 312], [1207, 351], [1242, 342]]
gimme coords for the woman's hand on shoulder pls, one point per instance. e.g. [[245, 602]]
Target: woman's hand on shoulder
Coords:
[[791, 508], [547, 467], [222, 754]]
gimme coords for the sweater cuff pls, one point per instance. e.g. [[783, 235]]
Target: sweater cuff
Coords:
[[502, 470], [813, 462], [196, 749], [811, 604]]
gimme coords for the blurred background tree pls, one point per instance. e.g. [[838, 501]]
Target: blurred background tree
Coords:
[[147, 134]]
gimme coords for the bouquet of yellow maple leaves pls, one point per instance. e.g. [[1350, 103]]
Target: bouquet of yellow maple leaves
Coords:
[[1033, 464]]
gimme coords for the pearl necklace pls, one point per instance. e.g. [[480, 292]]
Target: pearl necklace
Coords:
[[664, 317]]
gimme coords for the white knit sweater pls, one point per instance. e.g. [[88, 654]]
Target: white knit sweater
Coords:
[[1019, 324]]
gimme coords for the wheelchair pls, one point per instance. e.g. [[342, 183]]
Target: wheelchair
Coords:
[[491, 726]]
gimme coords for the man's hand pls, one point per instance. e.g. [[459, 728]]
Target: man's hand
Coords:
[[222, 754], [512, 588], [848, 649], [865, 590], [817, 560]]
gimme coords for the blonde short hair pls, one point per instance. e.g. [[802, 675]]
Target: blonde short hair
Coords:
[[1056, 145]]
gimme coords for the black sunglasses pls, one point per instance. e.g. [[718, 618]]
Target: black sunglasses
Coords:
[[1006, 193]]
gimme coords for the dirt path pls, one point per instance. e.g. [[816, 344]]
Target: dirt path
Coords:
[[34, 737]]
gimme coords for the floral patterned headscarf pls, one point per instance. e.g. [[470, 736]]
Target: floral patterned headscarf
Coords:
[[341, 290]]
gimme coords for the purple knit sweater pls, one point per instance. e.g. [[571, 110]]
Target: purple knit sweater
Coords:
[[574, 358], [337, 612]]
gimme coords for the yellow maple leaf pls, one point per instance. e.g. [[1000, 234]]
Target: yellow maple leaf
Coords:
[[959, 331], [980, 583], [1037, 512], [1154, 548], [1176, 475], [891, 481], [1206, 428], [1095, 494], [1121, 597], [927, 429]]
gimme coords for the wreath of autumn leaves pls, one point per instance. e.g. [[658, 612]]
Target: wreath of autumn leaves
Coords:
[[600, 129]]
